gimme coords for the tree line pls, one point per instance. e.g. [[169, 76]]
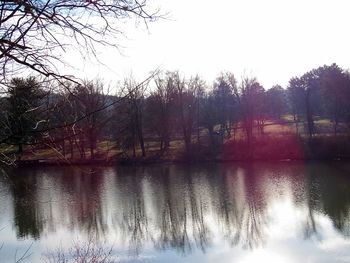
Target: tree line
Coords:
[[73, 119]]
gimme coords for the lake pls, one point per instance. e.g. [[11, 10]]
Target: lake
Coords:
[[244, 212]]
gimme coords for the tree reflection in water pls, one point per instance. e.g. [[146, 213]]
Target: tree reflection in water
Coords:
[[175, 207], [28, 217], [329, 195], [133, 223]]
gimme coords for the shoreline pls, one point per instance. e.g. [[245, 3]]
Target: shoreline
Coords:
[[145, 162], [264, 149]]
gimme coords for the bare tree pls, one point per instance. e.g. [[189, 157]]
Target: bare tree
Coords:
[[33, 34], [208, 117], [251, 103], [160, 109], [186, 104], [130, 117], [81, 252], [90, 97], [223, 90]]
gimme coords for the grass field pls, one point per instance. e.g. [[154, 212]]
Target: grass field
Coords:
[[279, 140]]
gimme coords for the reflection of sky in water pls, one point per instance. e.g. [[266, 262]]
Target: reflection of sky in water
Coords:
[[216, 213]]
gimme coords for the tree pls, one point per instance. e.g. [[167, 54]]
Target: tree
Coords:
[[276, 101], [160, 109], [187, 105], [296, 94], [129, 116], [311, 83], [22, 116], [209, 115], [197, 85], [223, 91], [252, 99], [88, 98], [335, 88], [64, 111], [33, 34], [320, 92]]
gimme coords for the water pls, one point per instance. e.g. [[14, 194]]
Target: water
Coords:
[[286, 212]]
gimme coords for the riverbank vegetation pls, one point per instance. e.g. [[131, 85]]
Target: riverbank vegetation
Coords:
[[169, 117]]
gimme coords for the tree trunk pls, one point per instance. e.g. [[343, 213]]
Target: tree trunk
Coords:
[[19, 152], [310, 121], [186, 133], [91, 151], [166, 141], [296, 124], [161, 145], [211, 135], [142, 143], [71, 146], [133, 149], [63, 148], [335, 127], [234, 133]]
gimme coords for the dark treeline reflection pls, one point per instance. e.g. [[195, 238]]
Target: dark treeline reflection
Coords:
[[330, 196], [177, 207]]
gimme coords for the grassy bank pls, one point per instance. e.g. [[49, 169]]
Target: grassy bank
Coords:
[[278, 141]]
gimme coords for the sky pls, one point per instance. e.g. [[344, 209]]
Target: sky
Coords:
[[272, 40]]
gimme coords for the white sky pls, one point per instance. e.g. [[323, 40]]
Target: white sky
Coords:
[[272, 40]]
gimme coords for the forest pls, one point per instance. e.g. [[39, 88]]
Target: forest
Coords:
[[171, 117]]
